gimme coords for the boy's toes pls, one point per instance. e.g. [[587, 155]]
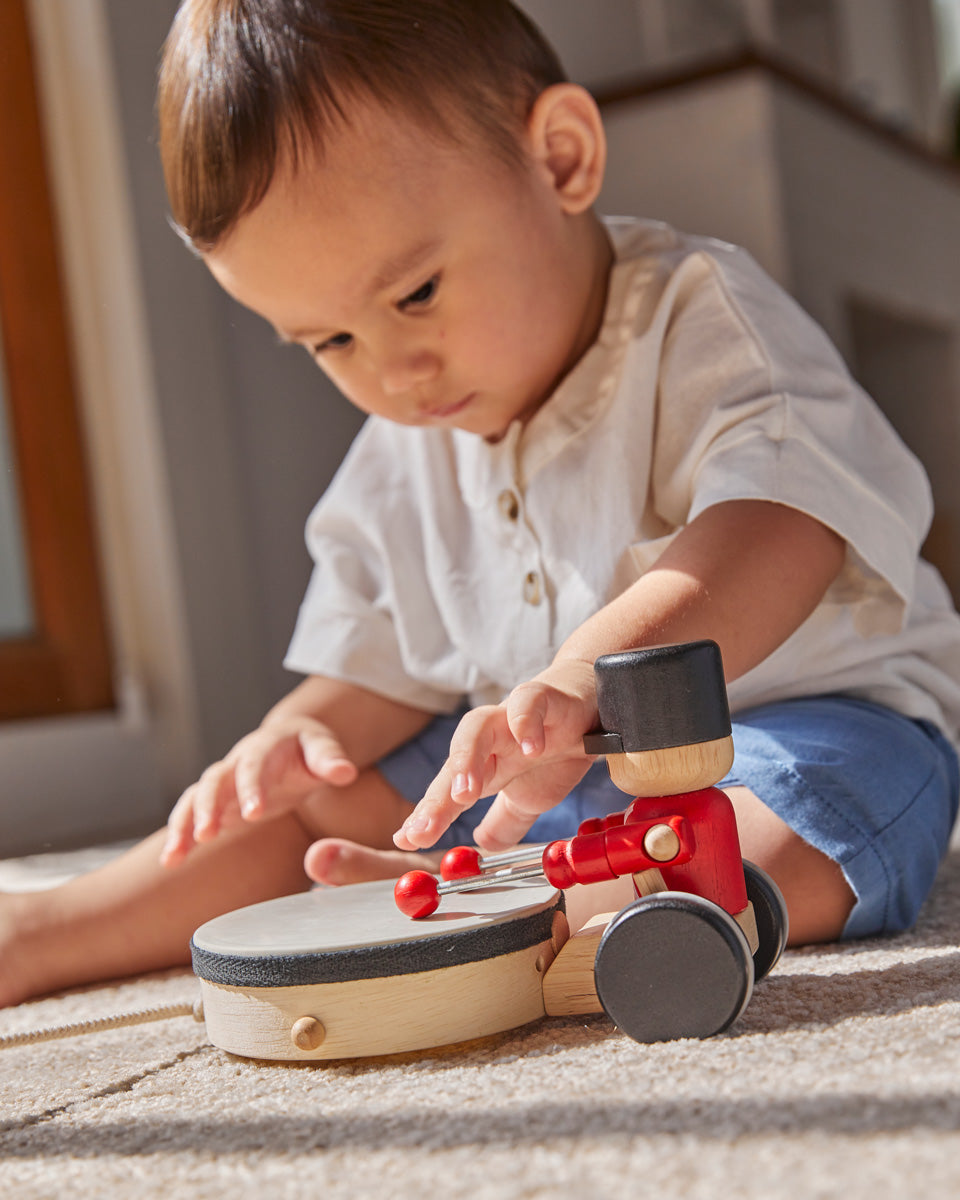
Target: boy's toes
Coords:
[[336, 861]]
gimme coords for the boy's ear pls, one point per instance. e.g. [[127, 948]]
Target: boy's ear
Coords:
[[567, 140]]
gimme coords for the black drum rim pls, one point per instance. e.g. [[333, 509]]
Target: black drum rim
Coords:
[[376, 961]]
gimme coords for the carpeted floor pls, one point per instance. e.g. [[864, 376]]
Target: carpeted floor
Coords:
[[842, 1079]]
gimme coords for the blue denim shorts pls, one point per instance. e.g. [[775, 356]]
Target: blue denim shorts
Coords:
[[873, 790]]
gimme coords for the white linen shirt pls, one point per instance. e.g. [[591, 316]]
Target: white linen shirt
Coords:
[[448, 567]]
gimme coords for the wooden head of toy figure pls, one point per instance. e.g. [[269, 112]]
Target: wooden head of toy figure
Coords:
[[665, 724]]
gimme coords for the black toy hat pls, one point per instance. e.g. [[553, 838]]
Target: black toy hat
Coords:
[[659, 697]]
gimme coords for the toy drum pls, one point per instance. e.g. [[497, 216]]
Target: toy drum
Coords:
[[340, 972]]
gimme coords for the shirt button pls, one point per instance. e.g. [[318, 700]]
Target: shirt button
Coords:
[[531, 588], [509, 505]]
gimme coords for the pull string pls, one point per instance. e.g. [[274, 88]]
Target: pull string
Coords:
[[139, 1017]]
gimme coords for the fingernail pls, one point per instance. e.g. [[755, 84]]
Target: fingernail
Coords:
[[528, 746], [461, 784], [416, 824]]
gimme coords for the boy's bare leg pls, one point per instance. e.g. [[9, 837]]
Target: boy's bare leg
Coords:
[[819, 899], [134, 915]]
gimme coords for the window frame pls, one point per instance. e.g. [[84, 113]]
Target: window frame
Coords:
[[64, 665]]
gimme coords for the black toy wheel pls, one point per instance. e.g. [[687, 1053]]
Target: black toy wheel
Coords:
[[673, 965], [770, 912]]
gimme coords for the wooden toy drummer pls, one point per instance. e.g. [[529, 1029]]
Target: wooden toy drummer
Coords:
[[665, 731]]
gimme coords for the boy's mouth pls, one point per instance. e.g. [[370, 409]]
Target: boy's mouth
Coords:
[[442, 411]]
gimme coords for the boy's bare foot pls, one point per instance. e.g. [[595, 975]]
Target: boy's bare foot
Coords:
[[337, 861], [16, 980]]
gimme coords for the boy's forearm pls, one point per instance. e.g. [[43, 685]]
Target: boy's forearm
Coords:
[[367, 724], [744, 573]]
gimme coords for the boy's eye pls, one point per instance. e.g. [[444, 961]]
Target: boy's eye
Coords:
[[423, 295], [337, 342]]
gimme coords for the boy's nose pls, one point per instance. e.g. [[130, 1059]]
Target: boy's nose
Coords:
[[405, 371]]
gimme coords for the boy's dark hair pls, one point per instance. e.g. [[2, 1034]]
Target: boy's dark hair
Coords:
[[246, 82]]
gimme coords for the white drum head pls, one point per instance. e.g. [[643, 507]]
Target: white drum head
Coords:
[[357, 932]]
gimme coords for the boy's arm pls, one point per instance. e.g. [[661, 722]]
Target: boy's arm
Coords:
[[745, 573], [325, 731], [363, 725]]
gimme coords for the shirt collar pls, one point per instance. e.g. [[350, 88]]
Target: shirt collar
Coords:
[[485, 468]]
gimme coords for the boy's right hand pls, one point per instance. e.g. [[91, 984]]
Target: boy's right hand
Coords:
[[267, 773]]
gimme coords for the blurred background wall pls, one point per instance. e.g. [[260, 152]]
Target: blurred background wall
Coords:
[[819, 133]]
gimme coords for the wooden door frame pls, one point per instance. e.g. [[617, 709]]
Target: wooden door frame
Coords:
[[64, 664]]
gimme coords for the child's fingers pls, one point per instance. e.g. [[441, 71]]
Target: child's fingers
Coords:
[[444, 800], [214, 800], [547, 719], [262, 766], [179, 830], [274, 771], [198, 815], [472, 768], [527, 708], [248, 781], [525, 798], [478, 747], [326, 759]]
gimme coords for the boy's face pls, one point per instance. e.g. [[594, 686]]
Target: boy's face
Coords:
[[434, 285]]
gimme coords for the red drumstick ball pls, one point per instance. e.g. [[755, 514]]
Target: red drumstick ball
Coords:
[[461, 862], [417, 894]]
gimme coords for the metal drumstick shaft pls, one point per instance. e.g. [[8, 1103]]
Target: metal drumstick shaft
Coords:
[[465, 862], [521, 854], [489, 879]]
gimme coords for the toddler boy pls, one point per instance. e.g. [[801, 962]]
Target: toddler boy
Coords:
[[584, 436]]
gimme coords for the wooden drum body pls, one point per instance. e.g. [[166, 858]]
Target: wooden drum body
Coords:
[[341, 973]]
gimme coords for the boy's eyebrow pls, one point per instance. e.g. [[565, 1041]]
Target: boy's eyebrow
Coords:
[[396, 267], [387, 273]]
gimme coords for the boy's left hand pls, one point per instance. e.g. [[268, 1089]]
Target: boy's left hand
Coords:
[[529, 750]]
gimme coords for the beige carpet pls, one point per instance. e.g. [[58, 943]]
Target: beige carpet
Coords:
[[842, 1079]]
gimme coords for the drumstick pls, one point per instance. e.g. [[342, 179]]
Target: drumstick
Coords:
[[463, 862], [586, 858], [418, 893]]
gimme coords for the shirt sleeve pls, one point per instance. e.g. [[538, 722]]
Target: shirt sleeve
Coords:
[[756, 403], [364, 538]]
